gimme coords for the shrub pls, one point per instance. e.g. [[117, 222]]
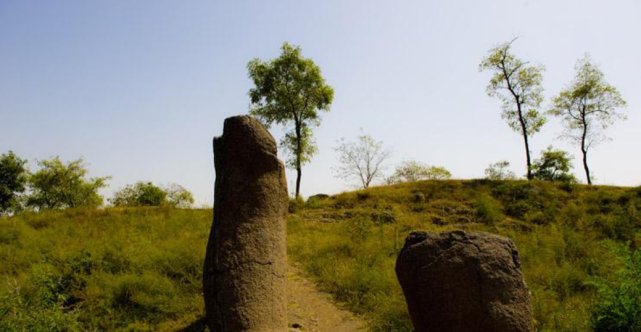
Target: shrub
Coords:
[[295, 204], [554, 165], [140, 194], [412, 171], [619, 305], [499, 171], [316, 201], [488, 210]]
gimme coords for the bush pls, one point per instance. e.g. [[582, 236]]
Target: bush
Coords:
[[412, 171], [554, 165], [295, 204], [148, 194], [499, 171], [619, 305], [316, 201], [488, 210]]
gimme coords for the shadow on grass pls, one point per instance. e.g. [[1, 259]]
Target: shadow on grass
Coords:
[[199, 325]]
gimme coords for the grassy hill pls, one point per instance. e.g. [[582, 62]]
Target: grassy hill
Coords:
[[140, 269], [130, 269], [570, 238]]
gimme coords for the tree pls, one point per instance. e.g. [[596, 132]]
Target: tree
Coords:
[[554, 165], [178, 196], [139, 194], [499, 171], [148, 194], [13, 179], [412, 171], [57, 186], [361, 160], [587, 107], [289, 90], [518, 86]]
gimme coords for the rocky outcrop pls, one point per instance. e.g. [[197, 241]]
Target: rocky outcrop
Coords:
[[463, 281], [246, 260]]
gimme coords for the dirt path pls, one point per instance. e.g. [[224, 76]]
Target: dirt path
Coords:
[[311, 310]]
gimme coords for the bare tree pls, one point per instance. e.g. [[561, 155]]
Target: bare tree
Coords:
[[361, 160]]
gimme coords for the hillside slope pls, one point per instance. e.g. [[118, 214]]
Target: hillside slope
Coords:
[[140, 269], [124, 269], [569, 237]]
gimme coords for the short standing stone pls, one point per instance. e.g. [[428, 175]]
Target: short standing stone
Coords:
[[463, 281], [246, 260]]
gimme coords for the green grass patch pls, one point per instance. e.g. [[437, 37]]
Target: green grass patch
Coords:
[[95, 270]]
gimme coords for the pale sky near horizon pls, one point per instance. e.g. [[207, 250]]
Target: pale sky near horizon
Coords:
[[139, 88]]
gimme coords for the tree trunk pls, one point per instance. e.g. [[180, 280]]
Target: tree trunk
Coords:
[[584, 150], [299, 152], [298, 176], [585, 166], [521, 122], [527, 144]]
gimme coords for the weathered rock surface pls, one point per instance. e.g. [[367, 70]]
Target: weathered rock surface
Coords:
[[463, 281], [244, 277]]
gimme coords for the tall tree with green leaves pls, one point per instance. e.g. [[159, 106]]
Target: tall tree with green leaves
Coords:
[[13, 179], [518, 86], [290, 91], [57, 185], [587, 107]]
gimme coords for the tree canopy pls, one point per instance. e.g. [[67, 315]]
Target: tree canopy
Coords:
[[518, 86], [290, 90], [587, 107], [57, 185], [178, 196], [148, 194], [13, 180], [412, 171]]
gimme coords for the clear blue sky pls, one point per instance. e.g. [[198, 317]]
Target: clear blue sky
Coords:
[[139, 88]]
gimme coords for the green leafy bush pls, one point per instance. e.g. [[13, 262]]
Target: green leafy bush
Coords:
[[618, 307]]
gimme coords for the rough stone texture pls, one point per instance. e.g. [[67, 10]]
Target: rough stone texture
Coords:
[[244, 277], [463, 281]]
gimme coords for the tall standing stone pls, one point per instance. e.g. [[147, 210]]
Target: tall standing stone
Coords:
[[246, 259], [463, 281]]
